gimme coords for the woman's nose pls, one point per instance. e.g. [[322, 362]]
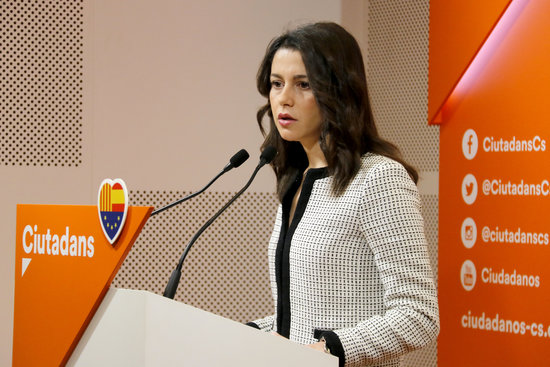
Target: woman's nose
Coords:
[[286, 98]]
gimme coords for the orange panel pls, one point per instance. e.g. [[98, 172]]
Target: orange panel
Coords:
[[64, 266], [499, 133]]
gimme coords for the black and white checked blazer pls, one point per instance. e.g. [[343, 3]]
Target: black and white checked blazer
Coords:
[[355, 265]]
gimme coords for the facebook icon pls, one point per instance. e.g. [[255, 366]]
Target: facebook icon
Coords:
[[469, 144]]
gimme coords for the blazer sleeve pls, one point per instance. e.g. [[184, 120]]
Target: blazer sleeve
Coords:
[[392, 224], [265, 324]]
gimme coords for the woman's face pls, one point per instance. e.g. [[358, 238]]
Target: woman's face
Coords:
[[295, 110]]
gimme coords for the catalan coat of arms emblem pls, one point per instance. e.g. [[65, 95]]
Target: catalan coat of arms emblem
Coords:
[[112, 206]]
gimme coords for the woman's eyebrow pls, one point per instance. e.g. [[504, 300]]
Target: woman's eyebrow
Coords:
[[299, 76]]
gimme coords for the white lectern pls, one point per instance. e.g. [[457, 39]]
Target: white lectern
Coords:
[[138, 328]]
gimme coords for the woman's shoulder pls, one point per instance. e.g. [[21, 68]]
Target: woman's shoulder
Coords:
[[380, 178], [378, 169], [371, 162]]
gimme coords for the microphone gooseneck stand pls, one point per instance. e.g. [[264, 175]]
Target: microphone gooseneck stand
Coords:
[[238, 158], [170, 291]]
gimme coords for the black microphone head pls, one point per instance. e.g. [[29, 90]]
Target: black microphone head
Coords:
[[268, 154], [239, 158]]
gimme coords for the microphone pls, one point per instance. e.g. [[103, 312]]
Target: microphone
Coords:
[[238, 158], [170, 291]]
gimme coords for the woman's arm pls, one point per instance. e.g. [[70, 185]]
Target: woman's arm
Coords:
[[392, 223]]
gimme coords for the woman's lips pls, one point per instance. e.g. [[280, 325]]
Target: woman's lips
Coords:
[[285, 119]]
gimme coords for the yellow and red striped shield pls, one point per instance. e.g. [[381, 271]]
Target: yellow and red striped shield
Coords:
[[112, 207]]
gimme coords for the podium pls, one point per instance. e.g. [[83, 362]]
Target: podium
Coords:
[[66, 314], [139, 328]]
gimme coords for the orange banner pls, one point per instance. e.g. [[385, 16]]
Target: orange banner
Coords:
[[494, 201], [64, 265]]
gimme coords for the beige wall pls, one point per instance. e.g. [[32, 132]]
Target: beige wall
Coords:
[[168, 95]]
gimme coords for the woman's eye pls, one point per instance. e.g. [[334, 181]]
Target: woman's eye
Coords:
[[276, 84], [304, 85]]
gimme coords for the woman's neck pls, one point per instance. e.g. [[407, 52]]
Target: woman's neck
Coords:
[[315, 156]]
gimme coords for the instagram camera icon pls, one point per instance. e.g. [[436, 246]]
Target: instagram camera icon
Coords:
[[469, 233]]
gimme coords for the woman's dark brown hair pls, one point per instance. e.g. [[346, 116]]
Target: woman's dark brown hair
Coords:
[[336, 74]]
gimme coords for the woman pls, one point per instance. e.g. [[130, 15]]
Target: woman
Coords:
[[348, 260]]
